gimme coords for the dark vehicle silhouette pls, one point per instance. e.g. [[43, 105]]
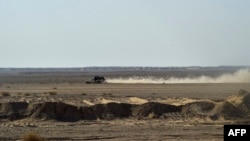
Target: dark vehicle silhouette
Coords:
[[96, 80]]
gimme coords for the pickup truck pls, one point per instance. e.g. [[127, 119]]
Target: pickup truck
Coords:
[[96, 80]]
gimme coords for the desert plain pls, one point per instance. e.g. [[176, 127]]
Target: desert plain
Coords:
[[58, 105]]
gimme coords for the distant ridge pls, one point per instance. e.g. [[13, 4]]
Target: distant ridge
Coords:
[[121, 68]]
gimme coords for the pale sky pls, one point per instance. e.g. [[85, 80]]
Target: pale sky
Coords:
[[80, 33]]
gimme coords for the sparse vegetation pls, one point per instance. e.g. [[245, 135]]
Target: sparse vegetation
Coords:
[[84, 94], [33, 137], [5, 93], [107, 94], [27, 94], [52, 93]]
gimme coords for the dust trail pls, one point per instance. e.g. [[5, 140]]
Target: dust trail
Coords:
[[241, 76]]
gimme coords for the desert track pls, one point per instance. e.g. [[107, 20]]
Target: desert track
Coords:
[[217, 91]]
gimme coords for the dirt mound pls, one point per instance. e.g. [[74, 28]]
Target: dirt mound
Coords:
[[65, 112], [198, 108], [153, 109], [112, 110], [241, 101], [88, 113], [236, 106], [227, 111], [13, 110], [212, 110], [56, 110]]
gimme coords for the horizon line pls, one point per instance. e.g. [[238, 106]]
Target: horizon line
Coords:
[[123, 67]]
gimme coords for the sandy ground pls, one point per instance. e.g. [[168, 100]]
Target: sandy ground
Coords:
[[174, 127]]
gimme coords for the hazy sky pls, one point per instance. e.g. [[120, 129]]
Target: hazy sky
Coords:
[[79, 33]]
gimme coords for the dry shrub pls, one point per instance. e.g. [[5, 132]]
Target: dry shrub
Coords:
[[33, 137], [84, 94], [27, 94], [5, 93], [52, 93]]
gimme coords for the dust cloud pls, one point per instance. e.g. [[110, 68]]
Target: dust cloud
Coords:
[[240, 76]]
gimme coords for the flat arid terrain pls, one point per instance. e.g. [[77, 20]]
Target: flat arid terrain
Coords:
[[180, 103]]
